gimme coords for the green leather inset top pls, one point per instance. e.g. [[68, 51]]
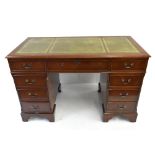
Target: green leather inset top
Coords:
[[36, 45], [77, 45], [119, 44]]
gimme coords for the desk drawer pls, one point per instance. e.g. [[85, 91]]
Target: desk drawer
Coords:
[[126, 79], [77, 65], [29, 80], [36, 107], [123, 95], [121, 107], [64, 65], [27, 66], [33, 94], [128, 64]]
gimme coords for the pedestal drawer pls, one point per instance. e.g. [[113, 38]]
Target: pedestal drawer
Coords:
[[27, 66], [123, 95], [128, 64], [36, 107], [30, 80], [134, 79], [121, 106], [33, 94]]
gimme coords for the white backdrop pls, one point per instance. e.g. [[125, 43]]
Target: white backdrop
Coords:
[[22, 18]]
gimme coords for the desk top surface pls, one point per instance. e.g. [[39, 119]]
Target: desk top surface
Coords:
[[78, 47]]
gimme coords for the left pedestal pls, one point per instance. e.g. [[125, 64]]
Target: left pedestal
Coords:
[[37, 89]]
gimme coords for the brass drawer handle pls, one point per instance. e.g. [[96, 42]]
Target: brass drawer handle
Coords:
[[35, 107], [124, 94], [121, 107], [27, 66], [126, 81], [30, 82], [32, 94], [128, 65]]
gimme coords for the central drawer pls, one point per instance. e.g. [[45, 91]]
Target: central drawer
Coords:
[[77, 65], [33, 94]]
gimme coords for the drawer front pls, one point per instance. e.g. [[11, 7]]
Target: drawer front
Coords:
[[121, 106], [33, 94], [128, 64], [77, 65], [125, 80], [36, 107], [93, 65], [26, 80], [123, 95], [56, 66], [27, 66]]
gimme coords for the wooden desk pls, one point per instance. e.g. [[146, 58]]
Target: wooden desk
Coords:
[[36, 63]]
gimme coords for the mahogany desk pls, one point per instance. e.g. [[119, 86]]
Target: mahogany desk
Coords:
[[36, 63]]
